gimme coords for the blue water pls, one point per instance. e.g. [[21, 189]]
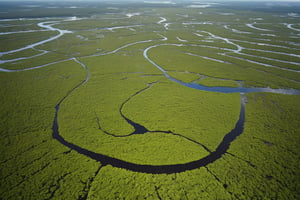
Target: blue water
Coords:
[[235, 89]]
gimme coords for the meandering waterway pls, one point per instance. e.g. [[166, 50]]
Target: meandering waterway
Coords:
[[139, 128]]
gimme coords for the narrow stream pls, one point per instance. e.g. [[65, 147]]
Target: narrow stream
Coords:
[[48, 26]]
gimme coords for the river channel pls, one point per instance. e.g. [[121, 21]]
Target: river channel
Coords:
[[140, 129]]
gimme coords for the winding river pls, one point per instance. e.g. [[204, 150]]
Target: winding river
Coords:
[[140, 129]]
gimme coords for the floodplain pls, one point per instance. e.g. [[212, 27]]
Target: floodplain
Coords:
[[152, 100]]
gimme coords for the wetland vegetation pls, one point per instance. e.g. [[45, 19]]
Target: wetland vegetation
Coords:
[[149, 100]]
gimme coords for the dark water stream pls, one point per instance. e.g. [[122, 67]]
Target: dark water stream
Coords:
[[140, 129], [155, 169]]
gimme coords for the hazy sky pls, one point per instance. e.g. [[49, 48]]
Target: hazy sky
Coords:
[[191, 1], [199, 1]]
